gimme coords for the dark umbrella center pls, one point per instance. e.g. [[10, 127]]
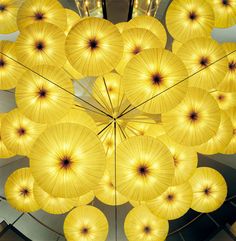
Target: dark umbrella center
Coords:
[[40, 45], [207, 191], [24, 192], [21, 131], [2, 63], [221, 97], [204, 61], [84, 230], [66, 163], [192, 16], [157, 79], [93, 44], [170, 197], [147, 229], [42, 93], [193, 116], [143, 170], [136, 50], [39, 16], [232, 66], [2, 7], [225, 2]]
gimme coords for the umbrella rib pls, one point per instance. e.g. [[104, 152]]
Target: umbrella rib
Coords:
[[54, 83], [108, 94], [179, 82], [104, 128], [116, 211], [82, 107]]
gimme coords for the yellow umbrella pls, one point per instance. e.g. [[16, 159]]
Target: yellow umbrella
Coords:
[[41, 44], [202, 55], [225, 100], [231, 147], [50, 204], [176, 45], [224, 12], [135, 41], [209, 190], [94, 46], [228, 83], [195, 120], [8, 13], [186, 19], [173, 203], [44, 97], [219, 141], [106, 193], [185, 160], [151, 24], [19, 133], [67, 160], [137, 203], [140, 224], [34, 11], [150, 73], [4, 152], [72, 19], [121, 26], [84, 199], [86, 223], [144, 168], [19, 191], [10, 71]]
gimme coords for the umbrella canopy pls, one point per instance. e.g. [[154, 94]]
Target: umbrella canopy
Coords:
[[209, 190], [46, 95], [67, 160], [94, 46], [84, 199], [186, 19], [225, 100], [195, 120], [41, 44], [152, 76], [72, 19], [86, 223], [141, 224], [19, 191], [173, 203], [176, 46]]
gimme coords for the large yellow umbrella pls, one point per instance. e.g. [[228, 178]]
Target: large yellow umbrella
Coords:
[[67, 160], [228, 83], [202, 57], [219, 141], [34, 11], [144, 168], [140, 224], [231, 147], [224, 12], [209, 190], [8, 13], [135, 41], [19, 191], [86, 223], [150, 23], [186, 19], [185, 160], [10, 71], [41, 44], [94, 46], [84, 199], [147, 77], [19, 133], [45, 96], [50, 204], [106, 192], [225, 100], [195, 120], [173, 203], [4, 152]]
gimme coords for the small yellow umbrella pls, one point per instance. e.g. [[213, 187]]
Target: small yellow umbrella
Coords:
[[185, 160], [46, 96], [121, 26], [220, 141], [4, 152], [176, 45], [202, 57], [195, 120], [224, 12], [231, 147], [86, 223], [187, 19], [144, 168], [41, 44], [140, 224], [72, 19], [50, 204], [67, 160], [135, 41], [173, 203], [228, 83], [94, 46], [10, 71], [19, 133], [106, 193], [209, 190], [151, 24], [84, 199], [147, 77], [34, 11], [19, 191], [8, 13], [225, 100]]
